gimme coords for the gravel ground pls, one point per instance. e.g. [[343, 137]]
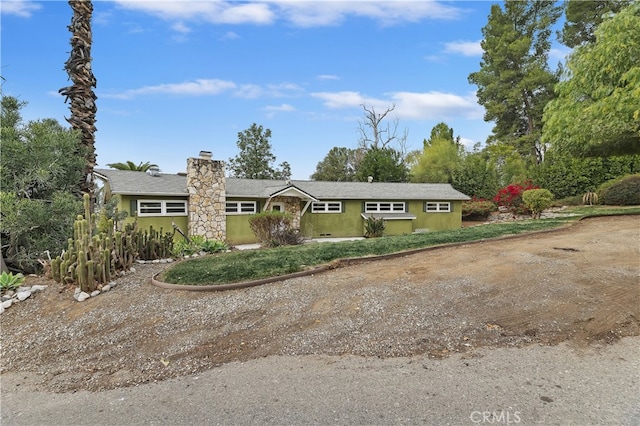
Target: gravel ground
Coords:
[[577, 287]]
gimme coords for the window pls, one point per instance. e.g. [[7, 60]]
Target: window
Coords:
[[327, 207], [437, 206], [384, 207], [162, 208], [241, 207]]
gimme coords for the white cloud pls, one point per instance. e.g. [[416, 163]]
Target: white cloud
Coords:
[[198, 87], [327, 77], [252, 91], [217, 12], [249, 91], [284, 89], [468, 143], [435, 105], [230, 35], [324, 13], [409, 105], [466, 48], [345, 99], [280, 108], [272, 110], [22, 8], [181, 28], [298, 13]]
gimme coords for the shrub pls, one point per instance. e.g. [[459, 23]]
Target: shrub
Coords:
[[477, 208], [30, 227], [9, 281], [274, 229], [623, 191], [537, 200], [287, 237], [374, 228], [214, 246], [575, 200], [197, 244], [590, 198], [511, 197]]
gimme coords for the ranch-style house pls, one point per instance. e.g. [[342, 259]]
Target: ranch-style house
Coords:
[[204, 202]]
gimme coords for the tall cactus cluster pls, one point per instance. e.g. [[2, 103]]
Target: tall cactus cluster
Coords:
[[154, 244], [92, 260]]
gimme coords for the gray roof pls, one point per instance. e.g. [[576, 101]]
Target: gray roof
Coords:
[[139, 183], [125, 182]]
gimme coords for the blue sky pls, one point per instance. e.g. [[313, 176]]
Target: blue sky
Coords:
[[177, 77]]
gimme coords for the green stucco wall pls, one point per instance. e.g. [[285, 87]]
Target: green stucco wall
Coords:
[[127, 204], [398, 227], [350, 223], [436, 221], [238, 229]]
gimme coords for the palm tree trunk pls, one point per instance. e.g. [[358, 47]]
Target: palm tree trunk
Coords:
[[80, 94]]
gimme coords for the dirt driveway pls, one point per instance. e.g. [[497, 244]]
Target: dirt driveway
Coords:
[[579, 285]]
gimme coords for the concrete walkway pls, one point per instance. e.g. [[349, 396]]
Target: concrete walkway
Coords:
[[315, 240]]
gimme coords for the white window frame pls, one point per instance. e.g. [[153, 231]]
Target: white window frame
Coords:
[[326, 207], [437, 206], [163, 209], [277, 207], [385, 207], [241, 207]]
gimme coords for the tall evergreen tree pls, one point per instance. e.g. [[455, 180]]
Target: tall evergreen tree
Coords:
[[583, 17], [254, 161], [383, 165], [514, 81], [339, 165]]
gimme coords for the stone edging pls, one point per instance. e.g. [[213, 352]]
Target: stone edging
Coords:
[[20, 294], [352, 261]]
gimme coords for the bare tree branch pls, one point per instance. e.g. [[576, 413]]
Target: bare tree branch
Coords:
[[376, 133]]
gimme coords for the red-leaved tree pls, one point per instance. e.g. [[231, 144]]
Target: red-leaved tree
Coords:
[[511, 197]]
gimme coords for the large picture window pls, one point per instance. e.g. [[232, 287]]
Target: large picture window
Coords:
[[384, 207], [327, 207], [437, 206], [162, 208], [241, 207]]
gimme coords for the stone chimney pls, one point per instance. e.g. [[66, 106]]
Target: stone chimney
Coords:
[[207, 197]]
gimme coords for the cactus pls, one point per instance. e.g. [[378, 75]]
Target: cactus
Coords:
[[92, 260], [55, 269], [81, 271], [106, 265], [91, 284]]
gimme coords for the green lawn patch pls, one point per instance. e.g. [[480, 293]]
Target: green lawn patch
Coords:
[[238, 266]]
